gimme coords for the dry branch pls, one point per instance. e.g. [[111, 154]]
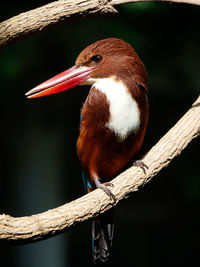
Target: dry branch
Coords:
[[49, 223], [119, 2], [62, 11], [42, 18]]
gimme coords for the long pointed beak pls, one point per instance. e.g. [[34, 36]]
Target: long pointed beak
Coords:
[[61, 82]]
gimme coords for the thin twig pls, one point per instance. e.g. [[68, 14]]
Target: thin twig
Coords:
[[120, 2]]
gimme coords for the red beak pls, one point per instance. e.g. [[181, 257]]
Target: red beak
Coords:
[[61, 82]]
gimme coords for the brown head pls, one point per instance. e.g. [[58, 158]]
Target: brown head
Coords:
[[102, 59], [112, 57]]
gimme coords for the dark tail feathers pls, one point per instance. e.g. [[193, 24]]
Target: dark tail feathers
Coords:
[[102, 236]]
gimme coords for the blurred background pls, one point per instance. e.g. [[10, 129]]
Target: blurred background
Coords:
[[157, 226]]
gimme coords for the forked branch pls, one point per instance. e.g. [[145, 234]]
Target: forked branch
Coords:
[[52, 222]]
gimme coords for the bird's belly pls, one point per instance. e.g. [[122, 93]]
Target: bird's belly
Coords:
[[104, 155], [109, 139]]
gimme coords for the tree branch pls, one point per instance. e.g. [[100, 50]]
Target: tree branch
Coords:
[[47, 16], [52, 222], [62, 11], [120, 2]]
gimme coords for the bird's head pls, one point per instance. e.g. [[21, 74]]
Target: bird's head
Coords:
[[106, 58]]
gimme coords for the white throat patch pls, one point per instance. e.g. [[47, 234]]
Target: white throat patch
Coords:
[[124, 111]]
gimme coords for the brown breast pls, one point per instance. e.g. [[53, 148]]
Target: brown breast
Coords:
[[100, 151]]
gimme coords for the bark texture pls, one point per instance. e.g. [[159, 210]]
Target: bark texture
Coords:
[[62, 11], [49, 223], [47, 16]]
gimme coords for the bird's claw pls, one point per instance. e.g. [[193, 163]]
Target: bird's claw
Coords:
[[108, 184], [141, 164], [104, 187]]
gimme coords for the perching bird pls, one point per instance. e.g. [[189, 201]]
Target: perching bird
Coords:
[[113, 119]]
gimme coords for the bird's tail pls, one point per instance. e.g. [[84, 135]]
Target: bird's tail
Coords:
[[102, 236]]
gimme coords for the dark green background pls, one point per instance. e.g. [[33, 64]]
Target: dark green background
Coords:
[[159, 225]]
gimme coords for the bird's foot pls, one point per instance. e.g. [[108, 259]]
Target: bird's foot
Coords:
[[104, 187], [141, 164]]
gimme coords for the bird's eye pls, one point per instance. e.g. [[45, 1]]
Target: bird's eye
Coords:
[[97, 58]]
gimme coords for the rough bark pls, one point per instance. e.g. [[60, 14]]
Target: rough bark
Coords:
[[42, 18], [119, 2], [62, 11], [49, 223]]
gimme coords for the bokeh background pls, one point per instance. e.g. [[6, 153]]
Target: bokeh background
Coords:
[[159, 225]]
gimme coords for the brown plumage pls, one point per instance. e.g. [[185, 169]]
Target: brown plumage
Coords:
[[101, 152], [113, 119]]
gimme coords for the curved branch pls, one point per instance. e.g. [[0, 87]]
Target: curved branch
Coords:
[[47, 16], [52, 14], [119, 2], [52, 222]]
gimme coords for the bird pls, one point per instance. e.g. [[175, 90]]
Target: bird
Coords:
[[113, 120]]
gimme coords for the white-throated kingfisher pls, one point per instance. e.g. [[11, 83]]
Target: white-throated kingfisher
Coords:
[[113, 119]]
